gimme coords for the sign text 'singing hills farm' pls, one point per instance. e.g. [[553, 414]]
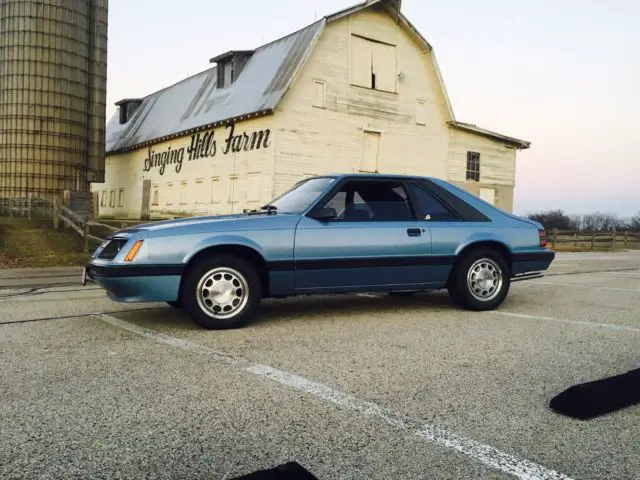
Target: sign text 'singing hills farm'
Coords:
[[204, 145]]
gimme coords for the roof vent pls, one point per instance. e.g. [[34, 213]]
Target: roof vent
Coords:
[[127, 107], [230, 65]]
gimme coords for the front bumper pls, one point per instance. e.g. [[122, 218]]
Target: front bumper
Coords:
[[136, 283]]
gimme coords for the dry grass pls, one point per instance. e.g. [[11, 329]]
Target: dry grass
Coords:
[[33, 243]]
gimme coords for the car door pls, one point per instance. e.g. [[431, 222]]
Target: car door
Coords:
[[447, 224], [374, 243]]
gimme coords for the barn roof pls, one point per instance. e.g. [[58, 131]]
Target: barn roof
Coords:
[[196, 103]]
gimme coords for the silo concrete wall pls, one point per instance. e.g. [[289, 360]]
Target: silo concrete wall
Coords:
[[53, 63]]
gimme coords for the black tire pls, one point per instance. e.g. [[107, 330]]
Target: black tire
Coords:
[[239, 274], [460, 288]]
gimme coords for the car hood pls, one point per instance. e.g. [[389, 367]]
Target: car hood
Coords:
[[224, 222]]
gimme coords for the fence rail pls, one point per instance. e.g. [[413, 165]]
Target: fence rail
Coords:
[[60, 215], [610, 240]]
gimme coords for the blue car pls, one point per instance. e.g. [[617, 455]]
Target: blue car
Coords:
[[330, 234]]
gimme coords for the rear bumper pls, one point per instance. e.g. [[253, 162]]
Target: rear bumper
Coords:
[[532, 264], [136, 283]]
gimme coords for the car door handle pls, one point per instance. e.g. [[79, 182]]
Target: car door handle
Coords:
[[414, 232]]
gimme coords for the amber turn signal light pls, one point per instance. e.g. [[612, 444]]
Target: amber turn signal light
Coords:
[[133, 252]]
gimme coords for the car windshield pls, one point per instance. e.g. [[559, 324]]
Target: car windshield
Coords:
[[301, 195]]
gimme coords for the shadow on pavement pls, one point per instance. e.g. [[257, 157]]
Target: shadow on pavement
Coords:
[[600, 397]]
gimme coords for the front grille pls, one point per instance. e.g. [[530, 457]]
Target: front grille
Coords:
[[112, 248]]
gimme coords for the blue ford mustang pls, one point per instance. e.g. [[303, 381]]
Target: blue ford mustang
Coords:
[[328, 234]]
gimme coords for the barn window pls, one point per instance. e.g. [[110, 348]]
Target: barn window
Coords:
[[121, 197], [199, 193], [183, 192], [473, 166], [170, 193], [215, 190], [154, 196], [370, 151], [319, 93], [233, 181], [373, 64]]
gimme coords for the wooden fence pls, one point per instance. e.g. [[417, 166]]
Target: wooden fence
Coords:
[[60, 216], [566, 240]]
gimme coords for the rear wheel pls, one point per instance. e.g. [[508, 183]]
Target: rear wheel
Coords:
[[481, 280], [222, 292]]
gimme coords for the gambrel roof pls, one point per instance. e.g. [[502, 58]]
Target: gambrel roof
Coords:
[[197, 103]]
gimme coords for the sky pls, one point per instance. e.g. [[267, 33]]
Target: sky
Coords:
[[561, 74]]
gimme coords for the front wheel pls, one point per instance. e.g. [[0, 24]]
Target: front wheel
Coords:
[[222, 292], [481, 280]]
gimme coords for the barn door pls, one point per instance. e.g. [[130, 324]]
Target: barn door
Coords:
[[146, 200]]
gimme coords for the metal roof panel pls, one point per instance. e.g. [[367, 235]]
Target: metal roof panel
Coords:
[[196, 102]]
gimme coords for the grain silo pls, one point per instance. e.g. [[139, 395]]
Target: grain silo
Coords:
[[53, 68]]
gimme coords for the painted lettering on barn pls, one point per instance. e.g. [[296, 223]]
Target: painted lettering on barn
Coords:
[[205, 145]]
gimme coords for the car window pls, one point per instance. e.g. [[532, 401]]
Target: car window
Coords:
[[371, 201], [428, 207], [301, 195]]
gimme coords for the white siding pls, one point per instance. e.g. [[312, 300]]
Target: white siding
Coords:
[[414, 136], [215, 184], [497, 162], [488, 195]]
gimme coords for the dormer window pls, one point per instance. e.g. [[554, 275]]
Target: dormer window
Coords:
[[127, 107], [230, 65]]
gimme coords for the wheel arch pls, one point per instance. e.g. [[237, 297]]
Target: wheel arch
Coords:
[[490, 243], [246, 252]]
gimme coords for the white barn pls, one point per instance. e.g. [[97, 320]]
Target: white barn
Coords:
[[356, 91]]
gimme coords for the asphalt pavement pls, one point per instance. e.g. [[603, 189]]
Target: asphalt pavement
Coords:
[[353, 387]]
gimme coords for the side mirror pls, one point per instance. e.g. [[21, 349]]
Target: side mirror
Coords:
[[325, 213]]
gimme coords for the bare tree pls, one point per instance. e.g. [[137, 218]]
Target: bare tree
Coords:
[[600, 222], [553, 219]]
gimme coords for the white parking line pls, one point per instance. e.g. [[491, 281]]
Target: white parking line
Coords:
[[578, 285], [611, 326], [520, 468]]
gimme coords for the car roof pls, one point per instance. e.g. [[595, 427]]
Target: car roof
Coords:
[[398, 176]]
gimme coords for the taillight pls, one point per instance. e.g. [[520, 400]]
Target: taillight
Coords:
[[543, 238]]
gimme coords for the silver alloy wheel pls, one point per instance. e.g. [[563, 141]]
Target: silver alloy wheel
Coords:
[[484, 279], [222, 292]]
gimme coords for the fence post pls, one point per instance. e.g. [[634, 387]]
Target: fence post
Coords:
[[554, 238], [575, 239], [29, 207], [593, 241], [56, 213], [613, 238], [86, 234], [11, 206], [626, 239]]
